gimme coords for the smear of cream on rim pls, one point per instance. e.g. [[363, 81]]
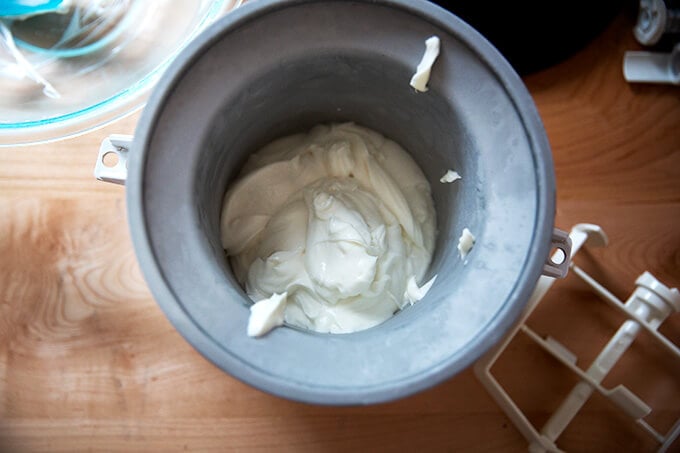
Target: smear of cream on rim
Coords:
[[267, 314], [450, 176], [422, 76], [465, 243], [413, 292]]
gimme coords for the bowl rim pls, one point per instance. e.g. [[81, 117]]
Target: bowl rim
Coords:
[[89, 118]]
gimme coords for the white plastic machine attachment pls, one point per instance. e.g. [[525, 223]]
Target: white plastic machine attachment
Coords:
[[652, 67], [655, 19], [646, 309]]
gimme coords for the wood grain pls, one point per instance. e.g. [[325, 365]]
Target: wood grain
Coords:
[[89, 363]]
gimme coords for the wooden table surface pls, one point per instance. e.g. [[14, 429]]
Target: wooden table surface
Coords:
[[89, 362]]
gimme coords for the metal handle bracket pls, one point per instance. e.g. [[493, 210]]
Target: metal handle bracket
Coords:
[[557, 265], [116, 173]]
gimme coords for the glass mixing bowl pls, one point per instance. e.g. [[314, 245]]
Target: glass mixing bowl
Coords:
[[69, 72]]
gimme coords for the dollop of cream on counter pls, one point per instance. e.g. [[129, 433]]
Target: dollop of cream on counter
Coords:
[[333, 229], [422, 76]]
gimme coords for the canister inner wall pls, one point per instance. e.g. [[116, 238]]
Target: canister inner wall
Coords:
[[363, 89]]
